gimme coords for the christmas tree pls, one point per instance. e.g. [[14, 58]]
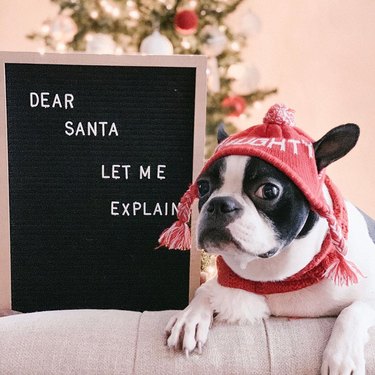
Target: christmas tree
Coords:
[[167, 27]]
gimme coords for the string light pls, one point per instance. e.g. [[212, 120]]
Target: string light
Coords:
[[61, 47], [94, 14], [132, 10], [109, 8], [208, 266], [257, 104], [42, 50], [211, 272], [118, 50], [185, 43], [134, 14], [167, 3], [235, 46], [105, 5], [115, 12], [193, 3], [46, 28], [89, 37]]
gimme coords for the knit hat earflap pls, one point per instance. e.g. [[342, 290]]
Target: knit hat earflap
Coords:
[[280, 143]]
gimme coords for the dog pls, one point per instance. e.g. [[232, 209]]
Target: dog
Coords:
[[264, 230]]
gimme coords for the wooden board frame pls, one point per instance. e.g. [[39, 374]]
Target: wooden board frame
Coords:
[[197, 62]]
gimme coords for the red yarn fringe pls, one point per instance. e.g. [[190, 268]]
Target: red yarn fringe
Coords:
[[176, 237], [343, 272], [184, 207]]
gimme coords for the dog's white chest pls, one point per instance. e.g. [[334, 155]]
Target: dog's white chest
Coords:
[[314, 301]]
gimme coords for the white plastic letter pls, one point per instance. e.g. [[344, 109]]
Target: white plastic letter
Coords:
[[34, 99]]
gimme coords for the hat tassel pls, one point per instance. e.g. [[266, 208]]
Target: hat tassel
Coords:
[[343, 272], [178, 236]]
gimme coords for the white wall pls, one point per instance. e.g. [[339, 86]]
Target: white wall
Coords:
[[320, 54], [19, 18]]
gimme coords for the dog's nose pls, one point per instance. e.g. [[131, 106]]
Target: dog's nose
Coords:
[[223, 205]]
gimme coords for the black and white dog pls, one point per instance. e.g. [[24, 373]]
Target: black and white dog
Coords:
[[260, 223]]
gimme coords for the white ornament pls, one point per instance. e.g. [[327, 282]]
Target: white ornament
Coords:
[[245, 78], [100, 43], [249, 23], [63, 29], [213, 76], [213, 41], [156, 44], [244, 23]]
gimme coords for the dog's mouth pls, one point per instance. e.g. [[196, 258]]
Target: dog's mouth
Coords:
[[215, 238], [232, 246], [268, 254], [221, 241]]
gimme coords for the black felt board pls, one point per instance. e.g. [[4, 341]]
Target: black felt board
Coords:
[[67, 249]]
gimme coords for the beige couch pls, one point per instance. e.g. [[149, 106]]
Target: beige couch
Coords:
[[123, 342]]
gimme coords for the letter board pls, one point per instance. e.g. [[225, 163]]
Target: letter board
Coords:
[[95, 153]]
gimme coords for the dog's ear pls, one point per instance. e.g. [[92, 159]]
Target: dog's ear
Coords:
[[221, 133], [335, 144]]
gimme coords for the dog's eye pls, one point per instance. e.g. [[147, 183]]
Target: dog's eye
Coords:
[[268, 191], [203, 187]]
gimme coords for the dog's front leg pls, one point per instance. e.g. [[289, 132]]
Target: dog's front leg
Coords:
[[189, 328], [344, 354]]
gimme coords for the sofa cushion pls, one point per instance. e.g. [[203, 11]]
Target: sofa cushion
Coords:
[[124, 342], [69, 342]]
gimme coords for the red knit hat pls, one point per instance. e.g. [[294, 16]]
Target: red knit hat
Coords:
[[280, 143]]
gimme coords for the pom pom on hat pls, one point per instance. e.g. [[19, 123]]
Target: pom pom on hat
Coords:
[[280, 114]]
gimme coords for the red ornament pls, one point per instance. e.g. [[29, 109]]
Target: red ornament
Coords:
[[186, 22], [237, 103]]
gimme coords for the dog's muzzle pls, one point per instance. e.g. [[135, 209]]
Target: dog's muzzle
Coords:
[[225, 209], [214, 218]]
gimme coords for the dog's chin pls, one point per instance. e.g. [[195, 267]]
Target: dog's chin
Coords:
[[222, 248], [218, 241], [232, 249]]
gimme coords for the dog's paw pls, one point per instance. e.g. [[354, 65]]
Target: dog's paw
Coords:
[[344, 359], [188, 329]]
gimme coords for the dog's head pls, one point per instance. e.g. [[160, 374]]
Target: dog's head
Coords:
[[250, 209]]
